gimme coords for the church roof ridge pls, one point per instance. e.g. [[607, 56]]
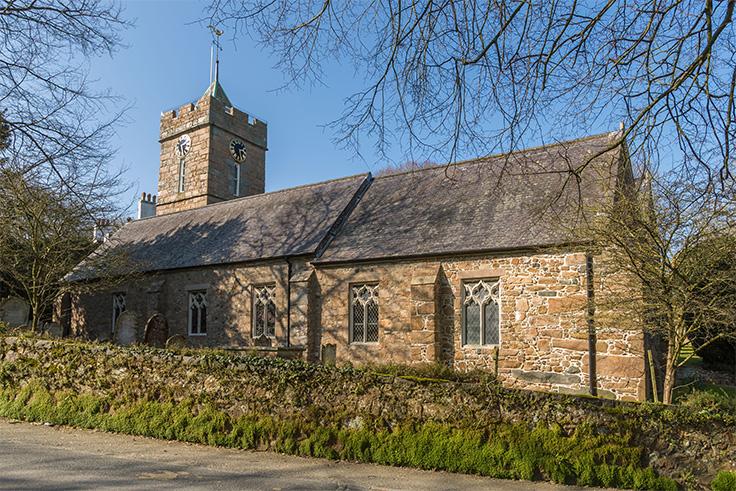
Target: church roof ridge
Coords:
[[482, 207], [483, 160]]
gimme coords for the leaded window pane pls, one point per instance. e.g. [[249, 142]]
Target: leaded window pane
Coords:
[[490, 324], [259, 320], [194, 320], [203, 319], [472, 323], [481, 314], [371, 334], [358, 323], [364, 313], [271, 320], [118, 307]]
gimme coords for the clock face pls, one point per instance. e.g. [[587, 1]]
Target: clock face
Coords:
[[237, 150], [183, 145]]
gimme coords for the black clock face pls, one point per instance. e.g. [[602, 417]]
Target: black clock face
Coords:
[[237, 150], [183, 145]]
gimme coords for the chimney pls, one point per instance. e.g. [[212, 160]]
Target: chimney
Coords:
[[146, 206], [102, 231]]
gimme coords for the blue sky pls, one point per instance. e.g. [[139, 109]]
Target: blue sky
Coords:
[[166, 64]]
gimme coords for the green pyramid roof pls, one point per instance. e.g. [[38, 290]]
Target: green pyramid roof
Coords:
[[216, 91]]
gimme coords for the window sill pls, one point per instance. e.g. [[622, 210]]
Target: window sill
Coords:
[[481, 346], [195, 335], [364, 343]]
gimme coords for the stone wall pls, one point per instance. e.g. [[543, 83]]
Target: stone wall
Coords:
[[543, 310], [229, 304], [675, 439]]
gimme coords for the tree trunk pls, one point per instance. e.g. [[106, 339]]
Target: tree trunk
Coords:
[[35, 312], [670, 372], [669, 384]]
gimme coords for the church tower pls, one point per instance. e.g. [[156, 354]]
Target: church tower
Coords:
[[210, 152]]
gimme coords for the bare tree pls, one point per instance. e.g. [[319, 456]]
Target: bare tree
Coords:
[[43, 235], [56, 179], [59, 127], [466, 77], [664, 245]]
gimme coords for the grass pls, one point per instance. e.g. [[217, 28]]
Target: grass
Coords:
[[509, 451], [688, 351], [724, 481]]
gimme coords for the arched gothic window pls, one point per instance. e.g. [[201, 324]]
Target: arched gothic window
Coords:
[[481, 309], [364, 314], [264, 311]]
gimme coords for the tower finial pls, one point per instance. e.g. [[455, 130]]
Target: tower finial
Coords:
[[216, 33]]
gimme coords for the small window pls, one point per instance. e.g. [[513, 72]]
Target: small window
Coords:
[[364, 314], [198, 313], [235, 178], [182, 174], [481, 320], [264, 311], [118, 307]]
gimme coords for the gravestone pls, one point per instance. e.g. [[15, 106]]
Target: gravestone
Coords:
[[329, 354], [53, 330], [14, 311], [157, 331], [126, 332], [176, 341]]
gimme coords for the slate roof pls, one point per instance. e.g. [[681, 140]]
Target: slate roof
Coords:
[[290, 222], [521, 200]]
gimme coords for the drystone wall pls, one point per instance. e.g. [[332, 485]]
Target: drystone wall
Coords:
[[675, 439]]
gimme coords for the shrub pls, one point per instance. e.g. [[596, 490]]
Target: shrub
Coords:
[[709, 399], [724, 481]]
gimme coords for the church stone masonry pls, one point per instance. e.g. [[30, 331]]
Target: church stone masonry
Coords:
[[210, 124], [468, 265]]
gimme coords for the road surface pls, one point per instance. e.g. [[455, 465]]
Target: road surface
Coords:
[[42, 457]]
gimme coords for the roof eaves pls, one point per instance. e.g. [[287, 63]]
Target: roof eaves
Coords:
[[441, 254]]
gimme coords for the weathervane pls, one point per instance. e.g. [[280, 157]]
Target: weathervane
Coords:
[[215, 51]]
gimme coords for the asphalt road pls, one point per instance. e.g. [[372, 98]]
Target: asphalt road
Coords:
[[42, 457]]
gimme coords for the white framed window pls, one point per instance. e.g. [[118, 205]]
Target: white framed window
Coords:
[[118, 306], [182, 175], [235, 178], [364, 313], [481, 319], [198, 313], [264, 311]]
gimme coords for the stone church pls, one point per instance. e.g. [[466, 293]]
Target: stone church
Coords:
[[462, 264]]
